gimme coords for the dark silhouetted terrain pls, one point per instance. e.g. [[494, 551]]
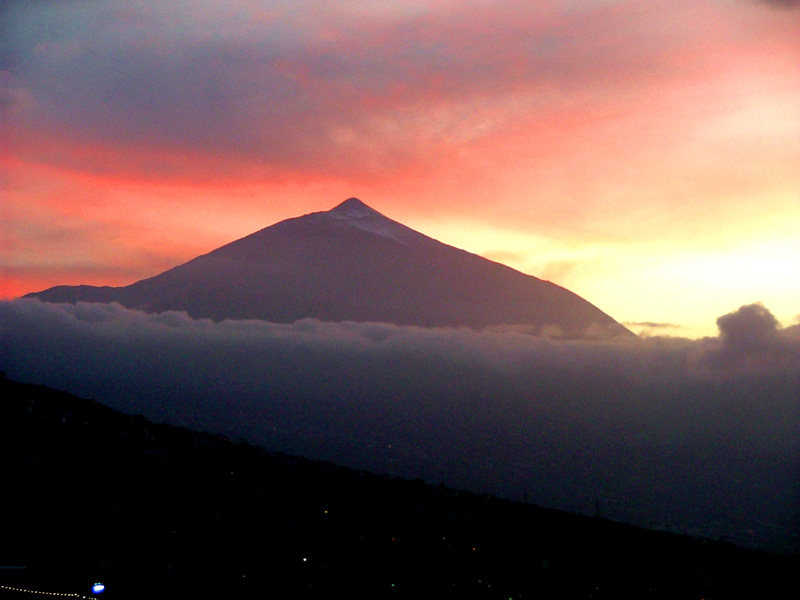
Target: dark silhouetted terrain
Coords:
[[352, 264], [156, 511]]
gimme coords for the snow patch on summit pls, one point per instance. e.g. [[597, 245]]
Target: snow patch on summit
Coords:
[[356, 213]]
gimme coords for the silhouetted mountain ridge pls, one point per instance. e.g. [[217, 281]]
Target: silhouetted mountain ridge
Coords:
[[158, 511], [351, 263]]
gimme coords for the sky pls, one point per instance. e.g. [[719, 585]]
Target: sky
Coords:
[[644, 154]]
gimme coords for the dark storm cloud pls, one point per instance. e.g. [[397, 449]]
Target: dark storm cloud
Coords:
[[663, 431], [750, 329], [751, 339]]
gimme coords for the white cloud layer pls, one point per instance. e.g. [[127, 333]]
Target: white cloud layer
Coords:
[[702, 436]]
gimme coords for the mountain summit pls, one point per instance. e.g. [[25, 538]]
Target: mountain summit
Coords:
[[354, 207], [352, 263]]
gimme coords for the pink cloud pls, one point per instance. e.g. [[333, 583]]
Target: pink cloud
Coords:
[[288, 105]]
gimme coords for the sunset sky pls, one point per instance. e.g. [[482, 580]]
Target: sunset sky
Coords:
[[644, 154]]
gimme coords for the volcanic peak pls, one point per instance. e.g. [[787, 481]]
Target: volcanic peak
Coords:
[[351, 263], [357, 214], [354, 207]]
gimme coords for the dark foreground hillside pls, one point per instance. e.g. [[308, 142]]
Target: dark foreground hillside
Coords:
[[154, 511]]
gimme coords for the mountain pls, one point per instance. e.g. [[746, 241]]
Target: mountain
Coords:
[[352, 263], [159, 512]]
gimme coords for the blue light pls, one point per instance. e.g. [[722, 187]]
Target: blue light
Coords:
[[98, 588]]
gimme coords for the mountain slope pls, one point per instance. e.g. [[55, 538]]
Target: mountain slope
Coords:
[[160, 512], [351, 264]]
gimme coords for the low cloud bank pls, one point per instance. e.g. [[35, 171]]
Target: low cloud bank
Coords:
[[701, 436]]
